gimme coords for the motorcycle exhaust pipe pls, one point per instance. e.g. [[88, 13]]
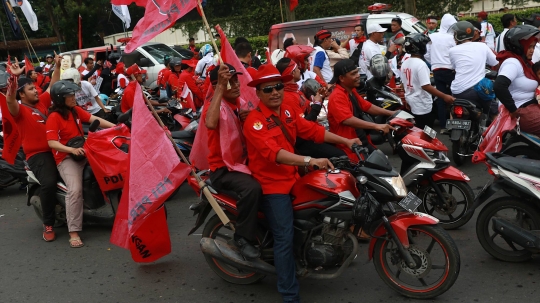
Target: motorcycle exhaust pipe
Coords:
[[515, 233], [222, 251]]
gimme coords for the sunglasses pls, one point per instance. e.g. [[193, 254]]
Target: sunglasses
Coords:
[[269, 89]]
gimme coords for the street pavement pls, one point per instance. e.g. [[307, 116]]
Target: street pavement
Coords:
[[32, 270]]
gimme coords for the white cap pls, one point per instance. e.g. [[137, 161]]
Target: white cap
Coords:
[[375, 28]]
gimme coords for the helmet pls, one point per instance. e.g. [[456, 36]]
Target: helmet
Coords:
[[415, 44], [166, 60], [378, 66], [61, 89], [205, 49], [310, 87], [49, 56], [3, 79], [71, 74], [175, 61], [516, 36], [463, 30], [298, 54]]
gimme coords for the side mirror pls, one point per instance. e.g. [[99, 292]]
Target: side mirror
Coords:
[[145, 62]]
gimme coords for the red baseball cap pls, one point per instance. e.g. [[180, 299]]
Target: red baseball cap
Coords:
[[191, 62], [120, 68], [268, 73], [135, 70]]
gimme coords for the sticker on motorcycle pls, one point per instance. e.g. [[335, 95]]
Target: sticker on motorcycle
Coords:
[[257, 125]]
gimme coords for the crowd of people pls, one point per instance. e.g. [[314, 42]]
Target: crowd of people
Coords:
[[281, 135]]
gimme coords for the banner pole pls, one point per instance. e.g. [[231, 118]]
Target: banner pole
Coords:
[[281, 11], [221, 214], [209, 31]]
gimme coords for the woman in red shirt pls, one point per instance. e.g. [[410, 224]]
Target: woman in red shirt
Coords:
[[64, 124]]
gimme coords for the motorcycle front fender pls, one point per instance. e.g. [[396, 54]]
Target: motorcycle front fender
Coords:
[[450, 173], [400, 223]]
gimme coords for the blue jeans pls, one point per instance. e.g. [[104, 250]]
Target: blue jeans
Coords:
[[278, 211]]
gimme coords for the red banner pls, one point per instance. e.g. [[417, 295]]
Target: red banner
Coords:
[[293, 4], [12, 138], [28, 66], [154, 172], [158, 16]]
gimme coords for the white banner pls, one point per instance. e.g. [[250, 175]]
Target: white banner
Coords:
[[28, 12], [99, 80], [123, 13]]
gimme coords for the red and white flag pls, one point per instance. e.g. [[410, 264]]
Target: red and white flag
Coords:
[[28, 66], [154, 172], [158, 16], [187, 95]]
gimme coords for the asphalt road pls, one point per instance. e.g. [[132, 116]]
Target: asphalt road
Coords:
[[32, 270]]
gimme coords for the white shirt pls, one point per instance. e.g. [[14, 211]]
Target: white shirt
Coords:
[[499, 42], [369, 49], [415, 74], [489, 33], [352, 46], [469, 61], [86, 98], [439, 49], [307, 75], [326, 69], [204, 64], [522, 88], [122, 76], [536, 54], [394, 66]]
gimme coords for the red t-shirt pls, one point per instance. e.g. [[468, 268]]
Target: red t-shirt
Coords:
[[128, 96], [163, 77], [32, 126], [265, 139], [186, 78], [174, 82], [62, 130], [296, 100], [340, 109], [215, 159]]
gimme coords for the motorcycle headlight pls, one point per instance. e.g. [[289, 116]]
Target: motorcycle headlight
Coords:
[[397, 184]]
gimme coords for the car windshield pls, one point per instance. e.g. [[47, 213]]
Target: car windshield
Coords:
[[158, 51], [419, 27]]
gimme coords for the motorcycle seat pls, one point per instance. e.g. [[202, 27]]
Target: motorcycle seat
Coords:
[[524, 165], [229, 193], [463, 102], [182, 134]]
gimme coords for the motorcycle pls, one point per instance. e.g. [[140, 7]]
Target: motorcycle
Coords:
[[99, 206], [508, 227], [412, 255], [521, 144], [427, 172]]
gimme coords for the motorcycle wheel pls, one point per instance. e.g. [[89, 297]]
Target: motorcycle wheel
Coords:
[[514, 210], [456, 148], [523, 152], [213, 229], [459, 198], [437, 263], [60, 218]]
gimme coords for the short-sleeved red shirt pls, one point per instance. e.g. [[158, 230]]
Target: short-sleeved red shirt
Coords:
[[163, 77], [128, 96], [340, 109], [174, 82], [32, 128], [62, 130], [215, 159], [264, 139], [296, 99], [186, 78]]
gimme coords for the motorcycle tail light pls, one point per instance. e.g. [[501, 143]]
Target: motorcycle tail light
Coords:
[[458, 110]]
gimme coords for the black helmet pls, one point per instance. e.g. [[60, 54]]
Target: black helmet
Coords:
[[517, 33], [49, 56], [175, 61], [61, 89], [310, 87], [415, 44], [463, 30]]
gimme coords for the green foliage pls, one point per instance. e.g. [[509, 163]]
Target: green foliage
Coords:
[[495, 19], [258, 44]]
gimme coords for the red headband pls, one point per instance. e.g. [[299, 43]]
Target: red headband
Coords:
[[288, 71]]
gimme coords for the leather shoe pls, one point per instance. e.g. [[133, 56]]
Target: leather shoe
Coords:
[[246, 249]]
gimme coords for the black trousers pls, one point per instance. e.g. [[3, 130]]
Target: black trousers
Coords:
[[44, 168], [316, 150], [443, 79], [249, 193], [423, 120]]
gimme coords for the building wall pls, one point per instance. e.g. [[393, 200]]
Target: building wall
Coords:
[[491, 6]]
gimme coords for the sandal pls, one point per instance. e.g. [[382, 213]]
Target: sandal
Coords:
[[78, 243]]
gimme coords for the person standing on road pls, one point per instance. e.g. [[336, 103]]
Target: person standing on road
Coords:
[[270, 132], [397, 32], [487, 30], [31, 116], [508, 21], [371, 48]]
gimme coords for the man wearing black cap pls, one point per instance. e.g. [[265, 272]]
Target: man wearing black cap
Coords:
[[227, 155], [345, 107]]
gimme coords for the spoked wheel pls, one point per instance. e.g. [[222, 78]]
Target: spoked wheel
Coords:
[[458, 198], [436, 257], [215, 229], [515, 211]]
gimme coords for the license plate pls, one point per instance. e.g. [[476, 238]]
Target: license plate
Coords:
[[430, 132], [458, 124], [410, 202]]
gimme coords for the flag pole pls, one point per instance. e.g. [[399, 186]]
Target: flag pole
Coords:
[[221, 214], [199, 3], [281, 11]]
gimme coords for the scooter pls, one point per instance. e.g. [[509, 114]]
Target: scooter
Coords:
[[508, 227], [99, 206], [412, 255], [521, 144], [427, 172]]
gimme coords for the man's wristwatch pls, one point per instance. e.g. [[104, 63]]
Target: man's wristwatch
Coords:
[[306, 163]]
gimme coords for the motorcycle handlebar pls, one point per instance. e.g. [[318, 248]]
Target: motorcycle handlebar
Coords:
[[94, 126], [124, 117]]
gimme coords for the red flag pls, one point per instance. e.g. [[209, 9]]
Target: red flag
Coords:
[[229, 56], [187, 95], [158, 16], [80, 31], [293, 4], [28, 66], [155, 171], [12, 138]]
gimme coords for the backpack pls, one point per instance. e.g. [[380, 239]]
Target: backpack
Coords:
[[355, 56]]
